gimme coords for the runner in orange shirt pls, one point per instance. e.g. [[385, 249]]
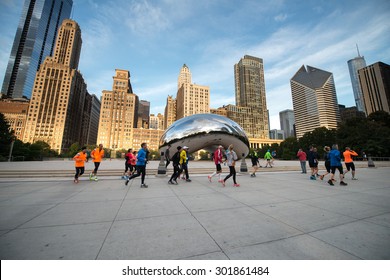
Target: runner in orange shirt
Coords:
[[97, 154], [80, 158], [348, 153]]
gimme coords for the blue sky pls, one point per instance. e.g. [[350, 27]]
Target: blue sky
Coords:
[[153, 39]]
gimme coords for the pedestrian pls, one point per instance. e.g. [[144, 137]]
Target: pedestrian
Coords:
[[335, 163], [129, 163], [312, 157], [80, 158], [348, 154], [97, 154], [184, 163], [167, 156], [176, 166], [268, 157], [255, 161], [302, 159], [231, 161], [218, 159], [327, 162], [140, 165], [364, 156]]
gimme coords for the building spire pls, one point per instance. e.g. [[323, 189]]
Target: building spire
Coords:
[[357, 47]]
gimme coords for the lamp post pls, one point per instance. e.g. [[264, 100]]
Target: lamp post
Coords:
[[243, 166], [10, 150]]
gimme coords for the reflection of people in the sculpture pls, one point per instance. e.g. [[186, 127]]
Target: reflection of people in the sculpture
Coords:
[[176, 166], [217, 157], [184, 163], [231, 161]]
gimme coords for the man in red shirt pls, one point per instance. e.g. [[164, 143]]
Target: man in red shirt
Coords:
[[218, 161], [302, 158]]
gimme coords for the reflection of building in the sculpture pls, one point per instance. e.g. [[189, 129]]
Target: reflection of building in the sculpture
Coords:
[[205, 131]]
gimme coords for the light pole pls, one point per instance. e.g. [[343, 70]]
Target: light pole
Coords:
[[10, 150]]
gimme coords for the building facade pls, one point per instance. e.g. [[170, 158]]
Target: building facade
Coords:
[[156, 122], [314, 100], [118, 113], [250, 98], [354, 65], [375, 85], [287, 123], [34, 41], [191, 98], [169, 112], [59, 94], [15, 112]]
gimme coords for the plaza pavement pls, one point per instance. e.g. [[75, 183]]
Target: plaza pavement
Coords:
[[280, 214]]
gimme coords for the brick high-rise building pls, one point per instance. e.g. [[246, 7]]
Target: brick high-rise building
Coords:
[[56, 108], [15, 111], [119, 113], [169, 112]]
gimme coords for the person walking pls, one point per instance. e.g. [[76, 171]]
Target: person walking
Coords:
[[218, 158], [268, 157], [140, 165], [302, 159], [312, 157], [167, 156], [255, 161], [184, 163], [231, 161], [335, 163], [80, 158], [327, 162], [97, 154], [348, 154], [129, 163], [176, 167]]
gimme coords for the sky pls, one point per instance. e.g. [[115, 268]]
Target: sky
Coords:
[[154, 38]]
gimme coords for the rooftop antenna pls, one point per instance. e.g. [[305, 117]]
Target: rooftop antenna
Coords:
[[357, 47], [71, 13]]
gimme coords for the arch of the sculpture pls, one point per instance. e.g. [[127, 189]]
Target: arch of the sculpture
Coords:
[[205, 131]]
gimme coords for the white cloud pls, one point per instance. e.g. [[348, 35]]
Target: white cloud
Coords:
[[280, 17]]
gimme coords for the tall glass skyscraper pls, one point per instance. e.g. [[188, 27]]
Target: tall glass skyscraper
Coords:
[[354, 65], [34, 40]]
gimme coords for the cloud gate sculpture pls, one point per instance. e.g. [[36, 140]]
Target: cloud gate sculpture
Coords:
[[205, 131]]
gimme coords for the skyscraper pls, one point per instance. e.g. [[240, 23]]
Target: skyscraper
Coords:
[[119, 113], [251, 107], [314, 100], [191, 98], [59, 94], [375, 84], [287, 122], [354, 65], [169, 112], [34, 40]]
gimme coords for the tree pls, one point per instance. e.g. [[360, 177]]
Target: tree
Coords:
[[6, 136], [74, 149], [289, 148]]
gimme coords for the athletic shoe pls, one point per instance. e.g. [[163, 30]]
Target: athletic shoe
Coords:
[[144, 186], [312, 177], [188, 180], [90, 176], [209, 177], [322, 177], [330, 183], [223, 183], [236, 185], [75, 181], [127, 181], [96, 179], [343, 184], [170, 182], [175, 182], [354, 178]]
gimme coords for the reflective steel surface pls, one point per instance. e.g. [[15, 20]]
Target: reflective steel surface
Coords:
[[205, 131]]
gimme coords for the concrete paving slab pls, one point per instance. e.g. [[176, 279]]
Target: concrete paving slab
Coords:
[[302, 247], [95, 196], [229, 229], [303, 217], [367, 198], [151, 207], [346, 207], [383, 220], [40, 197], [362, 239], [13, 216], [167, 237], [208, 202], [256, 197], [76, 213], [72, 242], [209, 256]]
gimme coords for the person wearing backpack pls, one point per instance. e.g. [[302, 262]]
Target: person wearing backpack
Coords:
[[176, 166]]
